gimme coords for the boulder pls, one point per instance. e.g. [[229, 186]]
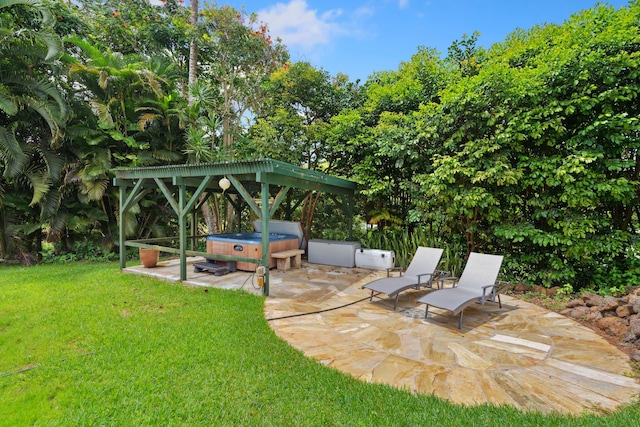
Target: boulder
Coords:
[[521, 287], [576, 313], [539, 290], [592, 300], [634, 326], [593, 316], [551, 292], [632, 290], [624, 310], [614, 326], [609, 304], [575, 303]]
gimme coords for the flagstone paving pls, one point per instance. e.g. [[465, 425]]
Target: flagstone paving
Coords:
[[521, 355]]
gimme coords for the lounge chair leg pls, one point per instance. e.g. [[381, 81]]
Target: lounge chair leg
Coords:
[[395, 304], [426, 312], [460, 320], [371, 297], [499, 302]]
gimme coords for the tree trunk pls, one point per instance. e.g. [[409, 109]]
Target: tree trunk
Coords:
[[308, 210], [193, 76], [193, 49]]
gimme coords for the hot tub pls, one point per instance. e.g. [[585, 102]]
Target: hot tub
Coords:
[[249, 245]]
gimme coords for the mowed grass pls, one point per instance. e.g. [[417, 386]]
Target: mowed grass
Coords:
[[83, 344]]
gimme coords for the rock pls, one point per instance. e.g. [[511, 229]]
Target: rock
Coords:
[[636, 356], [539, 290], [636, 307], [575, 303], [614, 326], [632, 290], [576, 313], [610, 303], [624, 310], [634, 326], [521, 287], [594, 315], [551, 292], [592, 300]]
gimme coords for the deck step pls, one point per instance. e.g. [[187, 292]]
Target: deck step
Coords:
[[218, 268]]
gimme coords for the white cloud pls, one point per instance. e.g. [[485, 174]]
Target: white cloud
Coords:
[[301, 27], [403, 3]]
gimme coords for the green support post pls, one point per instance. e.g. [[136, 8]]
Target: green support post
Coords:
[[265, 236], [121, 240], [182, 224]]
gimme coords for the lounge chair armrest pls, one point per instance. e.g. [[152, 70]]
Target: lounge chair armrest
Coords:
[[424, 274], [389, 270], [501, 285], [495, 289], [443, 278]]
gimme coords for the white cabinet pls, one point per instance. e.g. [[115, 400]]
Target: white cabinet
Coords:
[[332, 252], [375, 259]]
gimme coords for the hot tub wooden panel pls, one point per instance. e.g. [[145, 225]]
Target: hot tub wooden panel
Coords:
[[249, 249]]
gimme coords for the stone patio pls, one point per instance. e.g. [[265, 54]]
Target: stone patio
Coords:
[[521, 355]]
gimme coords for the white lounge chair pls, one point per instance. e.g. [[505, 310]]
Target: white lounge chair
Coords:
[[421, 272], [477, 284]]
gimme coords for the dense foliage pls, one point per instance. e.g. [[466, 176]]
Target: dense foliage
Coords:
[[528, 148]]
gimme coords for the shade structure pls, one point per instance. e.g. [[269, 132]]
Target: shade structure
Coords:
[[186, 188]]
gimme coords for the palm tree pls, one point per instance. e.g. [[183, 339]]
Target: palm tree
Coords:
[[32, 117], [129, 117]]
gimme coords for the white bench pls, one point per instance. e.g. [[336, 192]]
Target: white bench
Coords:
[[288, 259]]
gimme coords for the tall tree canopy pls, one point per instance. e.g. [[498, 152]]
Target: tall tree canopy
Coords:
[[528, 148]]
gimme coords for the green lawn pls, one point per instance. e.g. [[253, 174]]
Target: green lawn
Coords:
[[83, 344]]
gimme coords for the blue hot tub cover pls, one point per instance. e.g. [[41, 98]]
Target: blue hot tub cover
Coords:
[[250, 237]]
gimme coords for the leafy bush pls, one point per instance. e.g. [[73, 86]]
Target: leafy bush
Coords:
[[82, 250]]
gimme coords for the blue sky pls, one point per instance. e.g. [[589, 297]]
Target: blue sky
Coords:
[[358, 37]]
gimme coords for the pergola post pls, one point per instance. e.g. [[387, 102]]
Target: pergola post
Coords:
[[122, 227], [265, 236], [182, 225]]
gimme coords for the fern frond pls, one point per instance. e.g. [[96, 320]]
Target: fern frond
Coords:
[[96, 189], [15, 159], [7, 102], [40, 184]]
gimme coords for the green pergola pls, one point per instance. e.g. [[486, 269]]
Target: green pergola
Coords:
[[187, 187]]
